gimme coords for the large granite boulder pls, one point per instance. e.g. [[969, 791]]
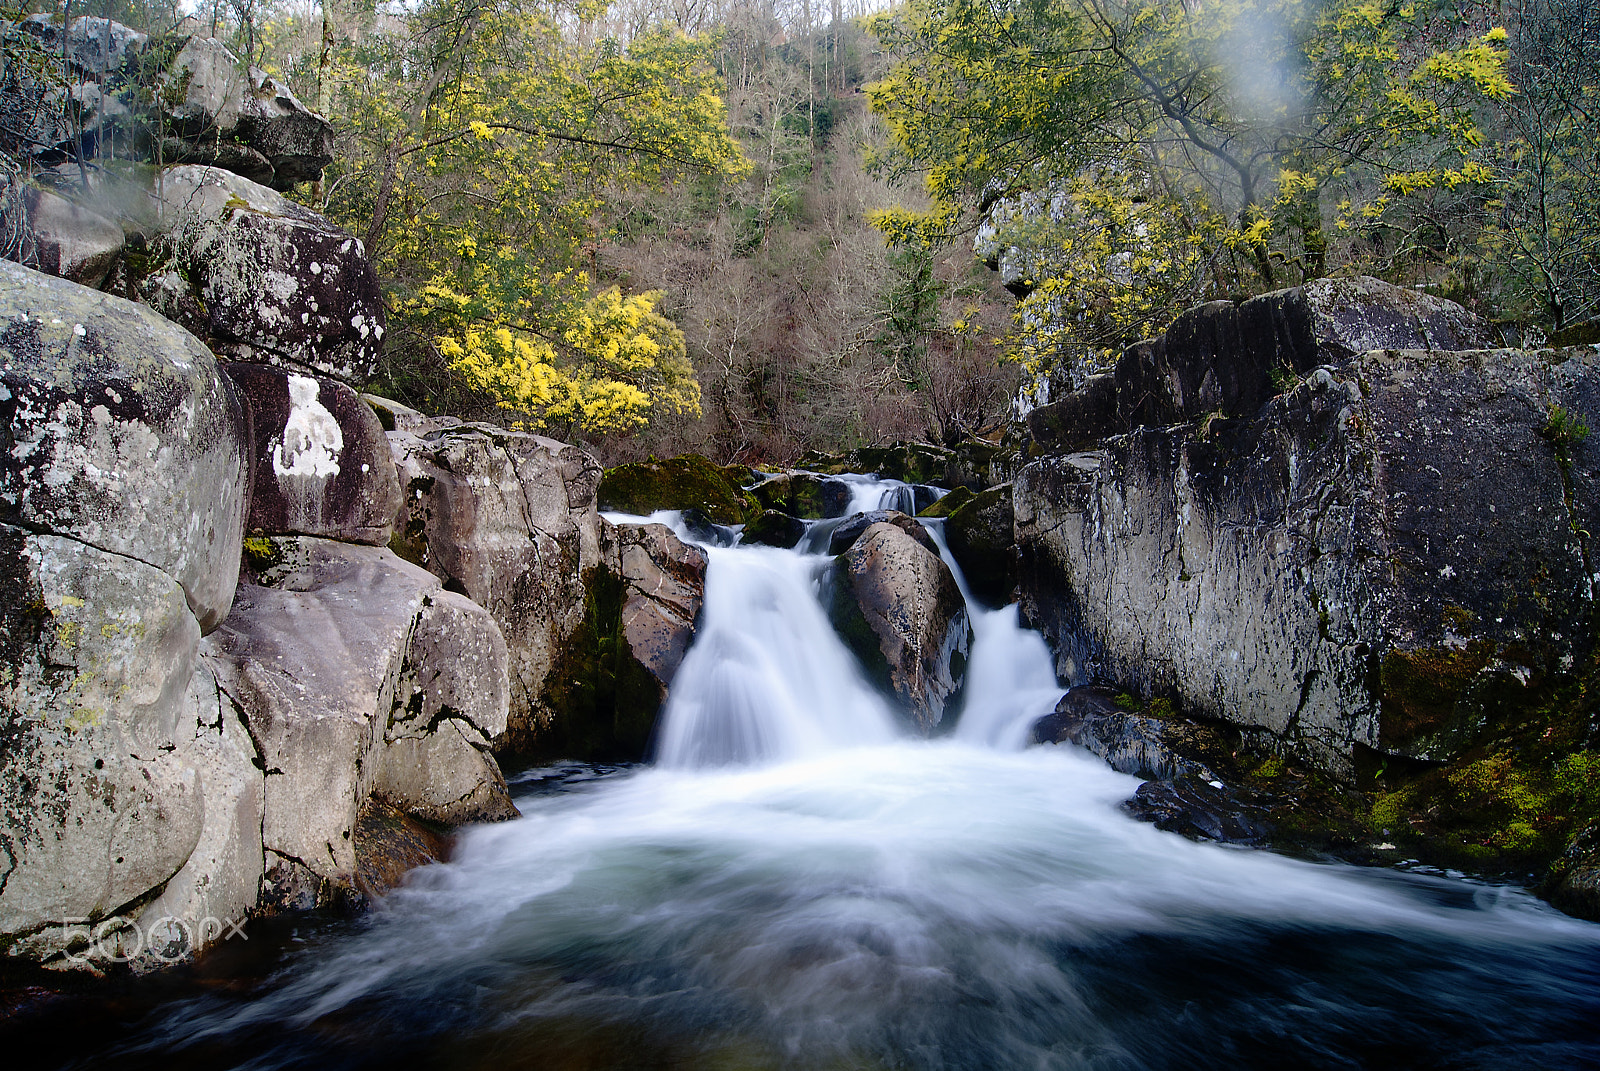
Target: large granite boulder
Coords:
[[280, 284], [1390, 557], [897, 606], [452, 700], [57, 237], [121, 433], [843, 537], [664, 586], [614, 676], [509, 520], [323, 465], [178, 96], [100, 800], [339, 653], [217, 886], [1227, 359]]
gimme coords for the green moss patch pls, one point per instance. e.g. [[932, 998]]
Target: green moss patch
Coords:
[[1420, 689], [686, 482], [948, 504]]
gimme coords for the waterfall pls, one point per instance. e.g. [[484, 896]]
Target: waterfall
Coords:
[[767, 678]]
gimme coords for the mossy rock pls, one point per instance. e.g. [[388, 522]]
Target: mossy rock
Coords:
[[602, 703], [775, 494], [803, 495], [775, 529], [910, 462], [980, 533], [686, 482], [948, 504]]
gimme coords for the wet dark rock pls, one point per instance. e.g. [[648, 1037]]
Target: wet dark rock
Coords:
[[1129, 742], [981, 537], [390, 843], [775, 529], [322, 463], [615, 675], [845, 535], [686, 482], [1200, 810], [897, 606]]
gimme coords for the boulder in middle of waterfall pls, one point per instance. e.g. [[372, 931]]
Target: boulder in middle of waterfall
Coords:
[[897, 606], [846, 535], [774, 529]]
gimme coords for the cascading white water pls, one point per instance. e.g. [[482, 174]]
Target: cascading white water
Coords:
[[790, 887], [767, 679]]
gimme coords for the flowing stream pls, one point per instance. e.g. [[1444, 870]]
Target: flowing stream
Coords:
[[795, 884]]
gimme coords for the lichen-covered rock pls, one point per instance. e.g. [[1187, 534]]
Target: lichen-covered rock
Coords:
[[686, 482], [120, 432], [280, 283], [1388, 558], [99, 797], [322, 463], [980, 535], [774, 529], [614, 677], [896, 604], [510, 520], [57, 237], [323, 663], [452, 700], [218, 884]]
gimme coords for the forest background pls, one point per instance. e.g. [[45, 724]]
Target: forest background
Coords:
[[750, 228]]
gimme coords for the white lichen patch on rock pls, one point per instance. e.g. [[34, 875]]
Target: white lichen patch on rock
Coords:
[[311, 441]]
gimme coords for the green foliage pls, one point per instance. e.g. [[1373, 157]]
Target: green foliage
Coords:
[[483, 145], [1564, 430], [1181, 151]]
